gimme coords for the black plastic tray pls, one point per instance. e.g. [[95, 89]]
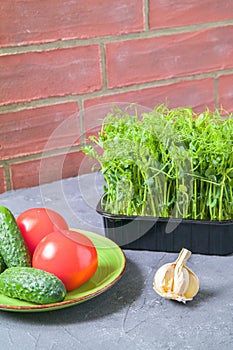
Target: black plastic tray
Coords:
[[169, 235]]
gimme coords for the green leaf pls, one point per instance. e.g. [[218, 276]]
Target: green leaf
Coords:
[[209, 172], [151, 154], [182, 188], [150, 181]]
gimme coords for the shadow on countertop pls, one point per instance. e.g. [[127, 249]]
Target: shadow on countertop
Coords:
[[119, 296]]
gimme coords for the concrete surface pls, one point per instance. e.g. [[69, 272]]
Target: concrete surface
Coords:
[[130, 315]]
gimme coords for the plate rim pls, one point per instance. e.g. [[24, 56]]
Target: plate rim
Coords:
[[75, 301]]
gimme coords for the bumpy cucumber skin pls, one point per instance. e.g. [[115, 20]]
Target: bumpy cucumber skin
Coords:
[[12, 246], [33, 285]]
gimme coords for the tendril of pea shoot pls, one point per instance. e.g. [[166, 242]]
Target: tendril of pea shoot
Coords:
[[166, 163]]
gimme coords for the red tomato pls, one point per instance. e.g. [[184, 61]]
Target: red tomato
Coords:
[[69, 255], [36, 223]]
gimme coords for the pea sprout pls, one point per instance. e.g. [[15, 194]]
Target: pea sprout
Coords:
[[167, 162]]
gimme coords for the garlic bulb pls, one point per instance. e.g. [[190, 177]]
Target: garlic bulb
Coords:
[[175, 280]]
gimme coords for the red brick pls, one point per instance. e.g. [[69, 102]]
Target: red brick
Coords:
[[172, 13], [2, 180], [35, 75], [195, 93], [26, 22], [95, 109], [225, 84], [145, 60], [36, 130], [36, 172], [198, 94]]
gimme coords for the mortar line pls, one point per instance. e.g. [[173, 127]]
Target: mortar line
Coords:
[[15, 107], [7, 175], [71, 43], [81, 121], [103, 66], [216, 92], [146, 15], [42, 102], [39, 155]]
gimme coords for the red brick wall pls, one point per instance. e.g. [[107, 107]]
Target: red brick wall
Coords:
[[59, 59]]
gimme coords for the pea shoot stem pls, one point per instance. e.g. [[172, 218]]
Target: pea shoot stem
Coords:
[[167, 162]]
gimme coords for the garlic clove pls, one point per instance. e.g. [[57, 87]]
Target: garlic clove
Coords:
[[194, 284], [164, 278], [175, 280], [181, 282]]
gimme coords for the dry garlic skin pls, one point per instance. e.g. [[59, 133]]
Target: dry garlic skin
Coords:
[[175, 280], [180, 281], [163, 280], [193, 285]]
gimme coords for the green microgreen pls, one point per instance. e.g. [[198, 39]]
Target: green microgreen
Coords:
[[167, 162]]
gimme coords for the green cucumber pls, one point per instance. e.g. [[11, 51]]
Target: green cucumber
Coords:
[[2, 264], [31, 284], [12, 245]]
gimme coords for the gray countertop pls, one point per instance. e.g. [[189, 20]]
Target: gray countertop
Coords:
[[129, 315]]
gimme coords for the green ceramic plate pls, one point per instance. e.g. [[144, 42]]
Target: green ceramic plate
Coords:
[[111, 266]]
